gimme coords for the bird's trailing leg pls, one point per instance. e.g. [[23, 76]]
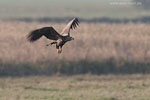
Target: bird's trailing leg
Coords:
[[51, 43]]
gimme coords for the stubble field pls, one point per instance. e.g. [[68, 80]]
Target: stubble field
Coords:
[[80, 87]]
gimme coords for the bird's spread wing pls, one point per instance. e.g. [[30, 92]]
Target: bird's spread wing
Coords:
[[71, 25], [48, 32]]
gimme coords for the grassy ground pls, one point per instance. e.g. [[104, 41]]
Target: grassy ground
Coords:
[[87, 87], [98, 48]]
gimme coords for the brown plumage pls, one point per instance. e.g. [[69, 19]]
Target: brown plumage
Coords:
[[52, 34]]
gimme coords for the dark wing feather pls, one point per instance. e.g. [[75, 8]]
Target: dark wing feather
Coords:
[[48, 32], [71, 25], [75, 23]]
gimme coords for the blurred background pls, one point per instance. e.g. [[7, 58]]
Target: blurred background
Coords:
[[108, 60], [86, 10]]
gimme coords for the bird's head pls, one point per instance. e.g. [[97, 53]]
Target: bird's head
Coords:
[[70, 38]]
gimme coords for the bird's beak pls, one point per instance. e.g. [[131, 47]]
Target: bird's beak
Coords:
[[72, 38]]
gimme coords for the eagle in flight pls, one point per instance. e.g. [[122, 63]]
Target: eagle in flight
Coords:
[[58, 38]]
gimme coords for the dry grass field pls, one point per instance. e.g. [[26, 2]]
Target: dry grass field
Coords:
[[92, 41], [94, 45], [87, 87]]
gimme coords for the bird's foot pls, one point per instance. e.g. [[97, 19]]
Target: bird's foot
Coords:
[[51, 43], [59, 50]]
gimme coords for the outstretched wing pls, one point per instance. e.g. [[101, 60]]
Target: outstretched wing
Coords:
[[48, 32], [71, 25]]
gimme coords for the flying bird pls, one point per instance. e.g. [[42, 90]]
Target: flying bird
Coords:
[[50, 33]]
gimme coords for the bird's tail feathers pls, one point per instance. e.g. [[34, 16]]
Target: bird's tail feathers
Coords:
[[34, 35]]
